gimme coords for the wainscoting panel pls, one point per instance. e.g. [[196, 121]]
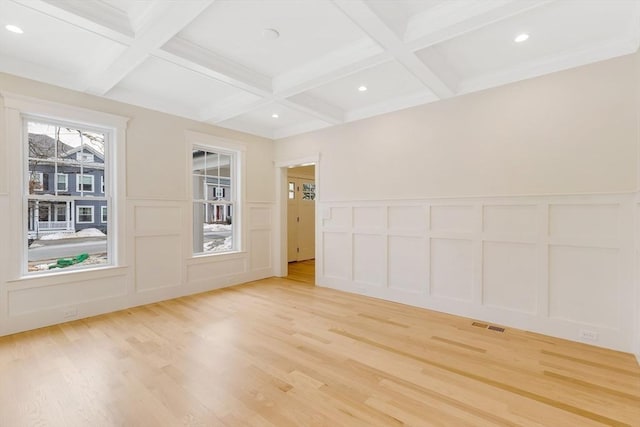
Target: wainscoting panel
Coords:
[[584, 221], [407, 219], [337, 255], [369, 218], [260, 244], [157, 220], [459, 219], [584, 285], [510, 276], [369, 260], [516, 220], [408, 264], [452, 268], [156, 262], [559, 265]]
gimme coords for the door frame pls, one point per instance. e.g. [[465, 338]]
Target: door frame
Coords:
[[281, 268]]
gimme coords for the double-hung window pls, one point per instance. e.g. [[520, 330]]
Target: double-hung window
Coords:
[[215, 198], [57, 216]]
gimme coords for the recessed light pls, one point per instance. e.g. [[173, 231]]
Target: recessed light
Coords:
[[362, 88], [14, 29], [275, 115], [270, 34], [521, 37]]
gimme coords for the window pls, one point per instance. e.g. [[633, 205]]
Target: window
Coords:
[[57, 149], [61, 213], [62, 182], [292, 190], [84, 157], [84, 183], [102, 184], [84, 214], [214, 200], [36, 181], [103, 214], [308, 191]]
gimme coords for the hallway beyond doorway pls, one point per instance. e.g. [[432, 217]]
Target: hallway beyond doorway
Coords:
[[303, 271]]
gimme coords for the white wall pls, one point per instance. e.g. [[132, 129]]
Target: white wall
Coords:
[[514, 205], [157, 262]]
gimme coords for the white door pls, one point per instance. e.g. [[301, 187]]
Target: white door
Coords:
[[301, 212]]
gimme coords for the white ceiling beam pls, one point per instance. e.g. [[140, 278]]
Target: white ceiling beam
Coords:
[[315, 107], [371, 23], [95, 17], [172, 18], [455, 19], [233, 106], [201, 60], [339, 63]]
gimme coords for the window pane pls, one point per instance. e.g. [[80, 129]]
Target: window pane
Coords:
[[213, 207], [212, 161], [213, 227], [55, 242], [64, 161]]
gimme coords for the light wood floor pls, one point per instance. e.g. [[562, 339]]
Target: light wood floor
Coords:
[[303, 271], [283, 353]]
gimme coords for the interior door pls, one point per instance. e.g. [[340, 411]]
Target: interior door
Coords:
[[301, 219]]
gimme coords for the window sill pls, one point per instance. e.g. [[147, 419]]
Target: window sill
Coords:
[[215, 257], [59, 277]]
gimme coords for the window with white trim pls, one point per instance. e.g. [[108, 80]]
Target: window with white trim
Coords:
[[62, 182], [84, 214], [84, 183], [103, 214], [215, 198], [61, 149]]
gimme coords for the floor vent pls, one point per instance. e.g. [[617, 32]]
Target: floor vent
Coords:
[[490, 327]]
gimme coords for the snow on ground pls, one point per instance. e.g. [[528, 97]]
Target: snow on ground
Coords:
[[87, 232], [217, 227], [227, 245]]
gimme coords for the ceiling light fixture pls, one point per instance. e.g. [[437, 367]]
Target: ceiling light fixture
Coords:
[[270, 34], [275, 115], [14, 29], [362, 88], [521, 37]]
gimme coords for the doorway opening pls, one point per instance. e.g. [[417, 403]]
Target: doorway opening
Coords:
[[301, 223]]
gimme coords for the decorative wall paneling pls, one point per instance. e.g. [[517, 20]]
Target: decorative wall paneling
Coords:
[[558, 265], [159, 266]]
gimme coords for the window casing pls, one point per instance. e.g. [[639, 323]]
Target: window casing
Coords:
[[215, 200], [58, 150], [62, 182], [103, 214], [84, 214], [84, 183]]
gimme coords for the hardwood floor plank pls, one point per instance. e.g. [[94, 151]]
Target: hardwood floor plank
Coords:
[[281, 352]]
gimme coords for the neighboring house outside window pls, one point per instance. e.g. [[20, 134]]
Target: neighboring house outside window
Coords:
[[76, 158], [84, 214], [215, 195]]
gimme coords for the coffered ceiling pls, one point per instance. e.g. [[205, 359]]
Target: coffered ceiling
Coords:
[[277, 68]]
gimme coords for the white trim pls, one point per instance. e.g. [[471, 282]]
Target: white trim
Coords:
[[103, 210], [18, 109], [78, 207], [236, 150], [66, 182], [78, 179], [282, 191], [102, 183]]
